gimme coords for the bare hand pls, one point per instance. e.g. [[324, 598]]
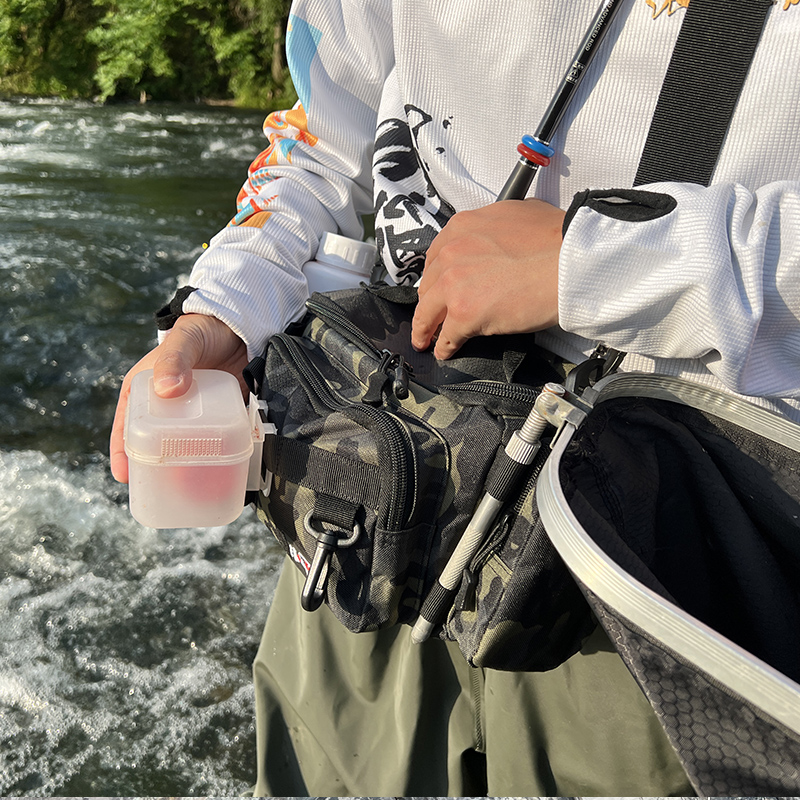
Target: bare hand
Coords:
[[492, 270], [195, 341]]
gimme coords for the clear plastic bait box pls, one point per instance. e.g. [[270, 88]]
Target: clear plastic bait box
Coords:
[[189, 457]]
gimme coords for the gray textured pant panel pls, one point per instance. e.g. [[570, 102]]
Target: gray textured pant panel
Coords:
[[341, 714]]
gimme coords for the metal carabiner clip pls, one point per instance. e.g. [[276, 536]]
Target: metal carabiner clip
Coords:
[[327, 542]]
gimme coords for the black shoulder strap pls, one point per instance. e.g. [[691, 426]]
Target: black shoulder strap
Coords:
[[712, 55]]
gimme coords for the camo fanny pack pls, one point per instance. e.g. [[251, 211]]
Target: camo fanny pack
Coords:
[[379, 461]]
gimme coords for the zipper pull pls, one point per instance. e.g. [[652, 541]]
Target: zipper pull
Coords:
[[469, 597], [400, 384], [470, 582], [377, 382], [603, 361], [377, 385], [375, 389]]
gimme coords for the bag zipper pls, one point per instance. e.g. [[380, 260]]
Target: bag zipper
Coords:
[[329, 312], [326, 309], [509, 391], [402, 482]]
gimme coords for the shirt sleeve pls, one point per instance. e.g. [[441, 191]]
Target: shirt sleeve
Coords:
[[690, 272], [314, 176]]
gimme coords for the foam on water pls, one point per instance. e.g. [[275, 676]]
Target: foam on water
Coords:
[[125, 652]]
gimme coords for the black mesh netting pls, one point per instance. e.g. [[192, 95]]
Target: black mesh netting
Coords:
[[706, 514]]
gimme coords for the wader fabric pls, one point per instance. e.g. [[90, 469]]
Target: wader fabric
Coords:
[[372, 714]]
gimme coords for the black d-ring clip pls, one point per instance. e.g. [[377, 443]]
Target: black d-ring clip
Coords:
[[602, 362], [327, 541]]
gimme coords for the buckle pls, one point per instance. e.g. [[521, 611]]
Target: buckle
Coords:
[[603, 361]]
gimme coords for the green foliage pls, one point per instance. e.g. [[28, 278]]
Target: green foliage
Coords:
[[43, 49], [163, 49]]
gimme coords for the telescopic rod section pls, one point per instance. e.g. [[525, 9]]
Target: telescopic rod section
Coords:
[[535, 151]]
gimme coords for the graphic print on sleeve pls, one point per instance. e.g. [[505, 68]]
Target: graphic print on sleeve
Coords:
[[409, 212], [284, 129]]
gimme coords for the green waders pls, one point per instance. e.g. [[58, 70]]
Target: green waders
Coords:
[[373, 715]]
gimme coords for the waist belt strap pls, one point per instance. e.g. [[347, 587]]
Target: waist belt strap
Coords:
[[715, 46], [323, 471]]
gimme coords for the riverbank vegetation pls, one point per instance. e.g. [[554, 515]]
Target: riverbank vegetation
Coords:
[[117, 50]]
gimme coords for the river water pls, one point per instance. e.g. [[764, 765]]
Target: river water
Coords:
[[125, 652]]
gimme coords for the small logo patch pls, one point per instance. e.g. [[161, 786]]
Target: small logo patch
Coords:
[[299, 558], [670, 6]]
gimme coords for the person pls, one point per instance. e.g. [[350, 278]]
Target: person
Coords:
[[406, 109]]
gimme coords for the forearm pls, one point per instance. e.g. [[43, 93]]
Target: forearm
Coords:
[[314, 176], [714, 278], [250, 276]]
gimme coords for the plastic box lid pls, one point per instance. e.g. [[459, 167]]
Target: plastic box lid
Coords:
[[207, 425]]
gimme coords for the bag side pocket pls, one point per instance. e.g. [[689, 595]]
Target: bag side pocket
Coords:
[[332, 448], [518, 607]]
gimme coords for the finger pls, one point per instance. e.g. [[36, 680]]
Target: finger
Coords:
[[116, 447], [178, 354], [428, 317], [449, 341], [431, 270], [426, 279], [119, 460]]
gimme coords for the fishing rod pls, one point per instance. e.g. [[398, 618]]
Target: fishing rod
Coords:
[[535, 151], [511, 462]]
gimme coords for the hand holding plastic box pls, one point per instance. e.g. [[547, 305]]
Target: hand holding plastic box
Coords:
[[190, 456]]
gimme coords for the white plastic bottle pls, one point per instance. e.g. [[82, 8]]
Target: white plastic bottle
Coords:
[[341, 263]]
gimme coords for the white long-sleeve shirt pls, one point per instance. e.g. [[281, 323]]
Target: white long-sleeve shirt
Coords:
[[415, 108]]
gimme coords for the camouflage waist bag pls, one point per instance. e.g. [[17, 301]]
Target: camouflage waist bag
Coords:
[[379, 462]]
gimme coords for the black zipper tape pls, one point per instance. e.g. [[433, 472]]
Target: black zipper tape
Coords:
[[326, 309]]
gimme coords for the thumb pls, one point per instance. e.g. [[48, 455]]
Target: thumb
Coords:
[[172, 370]]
